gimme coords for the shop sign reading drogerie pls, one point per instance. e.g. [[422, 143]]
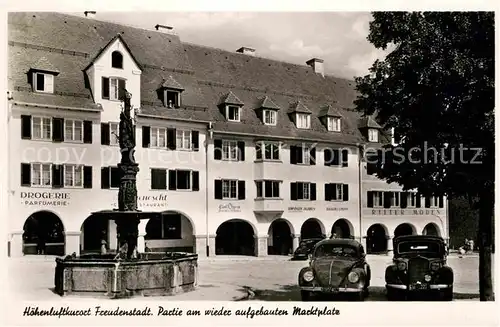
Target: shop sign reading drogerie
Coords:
[[45, 198]]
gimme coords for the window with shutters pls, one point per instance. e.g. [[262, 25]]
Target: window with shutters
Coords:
[[41, 174], [303, 190], [114, 133], [302, 155], [158, 179], [336, 192], [73, 130], [303, 121], [43, 83], [183, 140], [336, 157], [266, 150], [158, 137], [229, 189], [184, 180], [229, 150], [233, 113], [42, 128], [270, 117], [268, 189], [333, 124], [112, 87], [394, 199], [73, 176]]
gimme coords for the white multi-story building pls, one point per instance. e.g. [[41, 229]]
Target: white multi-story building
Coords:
[[241, 154]]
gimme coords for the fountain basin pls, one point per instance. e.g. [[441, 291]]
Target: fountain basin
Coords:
[[154, 274]]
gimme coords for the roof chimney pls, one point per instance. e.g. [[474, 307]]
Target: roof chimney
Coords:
[[317, 65], [164, 28], [247, 51], [90, 14]]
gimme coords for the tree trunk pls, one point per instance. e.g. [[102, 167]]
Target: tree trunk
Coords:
[[485, 238]]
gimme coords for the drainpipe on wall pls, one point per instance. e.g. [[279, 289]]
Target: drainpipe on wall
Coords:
[[360, 193], [208, 137]]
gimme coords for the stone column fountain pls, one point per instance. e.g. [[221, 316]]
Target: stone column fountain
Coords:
[[127, 272]]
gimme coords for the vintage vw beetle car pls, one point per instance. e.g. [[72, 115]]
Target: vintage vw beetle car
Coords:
[[305, 248], [419, 269], [337, 266]]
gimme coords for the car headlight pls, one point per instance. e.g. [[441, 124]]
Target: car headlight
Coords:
[[402, 265], [353, 277], [435, 266], [308, 276], [427, 278]]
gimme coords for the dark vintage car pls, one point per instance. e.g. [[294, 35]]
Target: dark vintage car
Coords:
[[305, 248], [419, 269], [337, 266]]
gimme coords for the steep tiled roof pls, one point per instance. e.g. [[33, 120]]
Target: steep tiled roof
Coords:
[[267, 103], [171, 83], [206, 74], [299, 107], [43, 64], [329, 110], [368, 122], [230, 98]]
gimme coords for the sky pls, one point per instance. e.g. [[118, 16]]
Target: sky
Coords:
[[339, 38]]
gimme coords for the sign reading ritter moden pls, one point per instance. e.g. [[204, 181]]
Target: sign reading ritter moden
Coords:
[[400, 212]]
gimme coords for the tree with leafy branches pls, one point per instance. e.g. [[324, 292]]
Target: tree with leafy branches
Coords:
[[435, 89]]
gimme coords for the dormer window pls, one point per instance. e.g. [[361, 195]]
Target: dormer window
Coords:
[[373, 135], [233, 113], [117, 60], [270, 117], [172, 99], [333, 124], [303, 121], [43, 82]]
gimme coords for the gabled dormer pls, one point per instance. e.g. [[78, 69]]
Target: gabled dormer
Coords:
[[231, 107], [42, 76], [113, 69], [370, 129], [331, 118], [170, 92], [268, 111], [301, 115]]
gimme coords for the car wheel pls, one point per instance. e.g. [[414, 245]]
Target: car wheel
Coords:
[[305, 296], [392, 294], [447, 294]]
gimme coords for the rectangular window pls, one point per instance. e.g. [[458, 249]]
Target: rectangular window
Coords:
[[270, 117], [113, 89], [43, 82], [172, 99], [233, 113], [394, 202], [158, 179], [412, 200], [303, 121], [268, 189], [183, 139], [229, 150], [303, 191], [114, 177], [268, 151], [305, 157], [333, 124], [373, 135], [42, 128], [229, 189], [183, 179], [41, 174], [378, 199], [73, 176], [73, 130], [336, 192], [158, 137], [114, 133]]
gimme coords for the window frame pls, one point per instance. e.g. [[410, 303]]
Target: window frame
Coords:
[[73, 128], [273, 114], [177, 101], [151, 143], [73, 173], [262, 187], [262, 149], [230, 145], [381, 199], [189, 139], [373, 135], [305, 186], [113, 139], [330, 124], [307, 121], [190, 174], [411, 197], [41, 165], [121, 57], [229, 184], [45, 89], [41, 138], [228, 110]]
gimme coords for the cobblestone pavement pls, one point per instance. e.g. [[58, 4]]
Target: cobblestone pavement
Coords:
[[225, 278]]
